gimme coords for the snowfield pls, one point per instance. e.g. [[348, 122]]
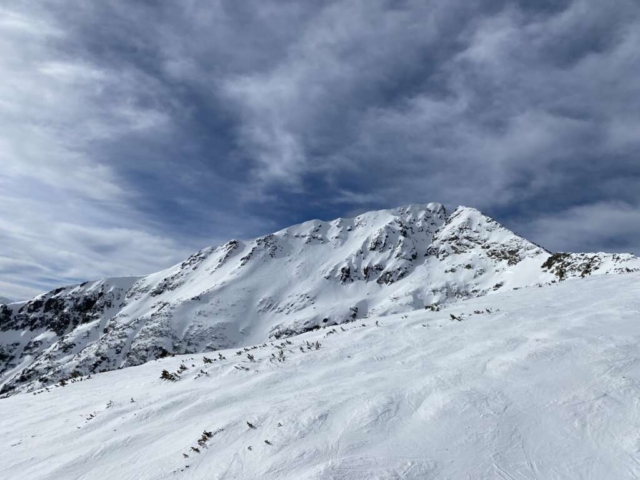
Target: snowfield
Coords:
[[538, 383]]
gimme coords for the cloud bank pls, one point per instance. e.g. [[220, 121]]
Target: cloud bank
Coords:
[[135, 133]]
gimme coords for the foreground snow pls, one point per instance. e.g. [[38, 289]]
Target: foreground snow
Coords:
[[543, 385]]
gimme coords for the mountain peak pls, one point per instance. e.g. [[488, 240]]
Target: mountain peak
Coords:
[[301, 278], [468, 229]]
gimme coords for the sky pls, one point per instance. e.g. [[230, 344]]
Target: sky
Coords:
[[137, 132]]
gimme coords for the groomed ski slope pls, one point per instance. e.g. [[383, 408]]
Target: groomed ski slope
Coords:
[[546, 386]]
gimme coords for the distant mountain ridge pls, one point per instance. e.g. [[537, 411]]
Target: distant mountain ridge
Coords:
[[301, 278]]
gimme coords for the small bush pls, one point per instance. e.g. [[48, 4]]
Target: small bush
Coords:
[[166, 375]]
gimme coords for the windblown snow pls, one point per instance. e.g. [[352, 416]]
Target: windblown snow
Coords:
[[296, 280], [539, 383]]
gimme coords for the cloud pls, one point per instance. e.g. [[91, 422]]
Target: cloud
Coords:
[[609, 226], [430, 97], [55, 237], [136, 132], [71, 207]]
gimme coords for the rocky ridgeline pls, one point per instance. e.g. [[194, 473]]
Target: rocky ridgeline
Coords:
[[304, 277], [571, 265]]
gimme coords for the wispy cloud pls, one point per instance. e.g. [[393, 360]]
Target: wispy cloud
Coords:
[[134, 132]]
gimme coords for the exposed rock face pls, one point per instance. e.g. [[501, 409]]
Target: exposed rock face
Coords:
[[300, 278], [568, 265], [38, 336]]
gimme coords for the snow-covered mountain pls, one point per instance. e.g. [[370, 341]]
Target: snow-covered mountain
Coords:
[[540, 383], [316, 274], [5, 300]]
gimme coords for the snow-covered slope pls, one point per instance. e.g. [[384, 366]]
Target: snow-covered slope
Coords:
[[295, 280], [5, 300], [540, 383]]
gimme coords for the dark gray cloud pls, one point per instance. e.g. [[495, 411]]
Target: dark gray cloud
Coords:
[[135, 132]]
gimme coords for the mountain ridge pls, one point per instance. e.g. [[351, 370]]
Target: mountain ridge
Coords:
[[304, 277]]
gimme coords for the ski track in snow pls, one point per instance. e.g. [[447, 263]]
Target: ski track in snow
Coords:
[[546, 386]]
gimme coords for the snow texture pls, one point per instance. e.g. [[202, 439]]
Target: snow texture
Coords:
[[539, 383]]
